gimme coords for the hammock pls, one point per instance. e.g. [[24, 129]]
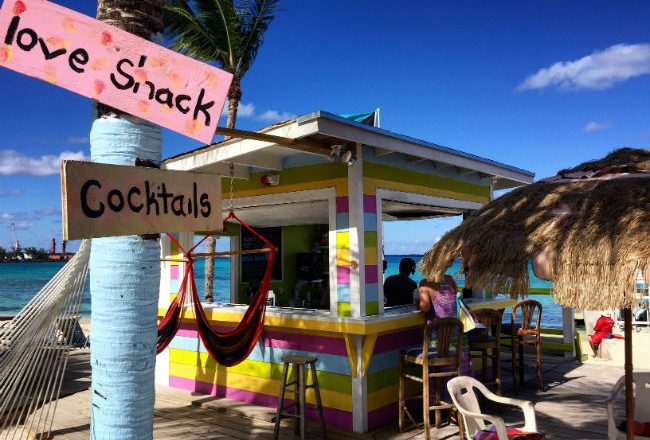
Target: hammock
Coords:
[[34, 348], [230, 347]]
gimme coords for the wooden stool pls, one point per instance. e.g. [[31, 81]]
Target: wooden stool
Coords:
[[299, 387], [486, 340]]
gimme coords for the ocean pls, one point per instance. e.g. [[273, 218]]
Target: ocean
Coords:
[[20, 281]]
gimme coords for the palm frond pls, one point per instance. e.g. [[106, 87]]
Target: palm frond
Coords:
[[257, 16]]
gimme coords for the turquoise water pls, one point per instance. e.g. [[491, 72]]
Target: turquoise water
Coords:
[[551, 312], [20, 281]]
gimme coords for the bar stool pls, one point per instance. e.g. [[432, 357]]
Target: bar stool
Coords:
[[487, 340], [526, 332], [299, 387], [436, 364]]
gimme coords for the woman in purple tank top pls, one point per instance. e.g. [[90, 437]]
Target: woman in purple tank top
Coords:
[[438, 300]]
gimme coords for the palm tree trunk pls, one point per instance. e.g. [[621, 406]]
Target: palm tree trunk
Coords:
[[234, 96], [124, 271]]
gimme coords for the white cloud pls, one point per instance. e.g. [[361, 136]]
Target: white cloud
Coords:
[[13, 162], [22, 226], [600, 70], [595, 126], [275, 116], [47, 211], [12, 193], [244, 110], [248, 110], [77, 139]]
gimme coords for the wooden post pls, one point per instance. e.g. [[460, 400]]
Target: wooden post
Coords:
[[629, 392]]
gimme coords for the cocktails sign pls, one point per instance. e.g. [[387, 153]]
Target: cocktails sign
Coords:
[[99, 61], [102, 200]]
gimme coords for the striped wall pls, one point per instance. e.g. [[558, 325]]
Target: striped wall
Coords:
[[257, 379], [383, 374], [357, 357]]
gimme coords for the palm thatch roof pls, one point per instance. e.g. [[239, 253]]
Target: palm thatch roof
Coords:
[[593, 220]]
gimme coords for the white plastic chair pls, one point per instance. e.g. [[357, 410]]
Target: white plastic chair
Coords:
[[641, 404], [462, 393]]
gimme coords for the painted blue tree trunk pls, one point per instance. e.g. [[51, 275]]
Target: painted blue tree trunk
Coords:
[[124, 284]]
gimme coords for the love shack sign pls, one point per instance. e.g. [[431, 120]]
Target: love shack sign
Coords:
[[101, 200], [46, 41]]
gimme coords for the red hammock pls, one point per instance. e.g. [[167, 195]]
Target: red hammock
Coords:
[[230, 347]]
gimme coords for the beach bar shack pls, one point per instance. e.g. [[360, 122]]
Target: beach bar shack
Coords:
[[324, 209]]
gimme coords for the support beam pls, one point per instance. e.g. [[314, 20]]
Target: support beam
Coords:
[[311, 146]]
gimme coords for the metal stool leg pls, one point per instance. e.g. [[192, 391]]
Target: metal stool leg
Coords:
[[283, 385], [319, 404]]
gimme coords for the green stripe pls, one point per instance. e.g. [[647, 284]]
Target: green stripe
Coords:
[[326, 380], [409, 177], [343, 309], [290, 176], [372, 308], [541, 290], [370, 238], [383, 379]]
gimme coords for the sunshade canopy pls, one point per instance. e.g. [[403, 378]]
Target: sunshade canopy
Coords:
[[590, 223]]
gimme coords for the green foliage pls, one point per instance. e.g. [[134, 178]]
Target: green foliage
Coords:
[[227, 32]]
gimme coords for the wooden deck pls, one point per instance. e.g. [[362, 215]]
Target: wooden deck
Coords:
[[572, 407]]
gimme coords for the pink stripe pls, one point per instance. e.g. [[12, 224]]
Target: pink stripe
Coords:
[[342, 204], [371, 273], [369, 203], [287, 341], [310, 343], [173, 272], [334, 417], [398, 340], [343, 274], [382, 416], [187, 333]]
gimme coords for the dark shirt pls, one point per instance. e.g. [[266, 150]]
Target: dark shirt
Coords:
[[398, 290]]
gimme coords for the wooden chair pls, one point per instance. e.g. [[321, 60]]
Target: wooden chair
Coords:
[[486, 341], [526, 332], [443, 361], [463, 394]]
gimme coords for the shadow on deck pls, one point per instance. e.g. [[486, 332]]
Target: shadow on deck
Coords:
[[571, 407]]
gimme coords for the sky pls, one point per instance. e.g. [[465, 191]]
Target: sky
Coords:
[[539, 85]]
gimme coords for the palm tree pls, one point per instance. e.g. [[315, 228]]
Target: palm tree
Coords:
[[226, 32], [124, 271]]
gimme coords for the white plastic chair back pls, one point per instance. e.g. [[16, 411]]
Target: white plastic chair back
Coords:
[[642, 396], [641, 403], [462, 394]]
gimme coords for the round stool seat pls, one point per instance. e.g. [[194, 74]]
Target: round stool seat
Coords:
[[297, 359]]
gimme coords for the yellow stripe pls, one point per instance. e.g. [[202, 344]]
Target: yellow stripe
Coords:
[[340, 186], [371, 255], [343, 257], [299, 324], [370, 186], [368, 348], [271, 387], [343, 240], [385, 396]]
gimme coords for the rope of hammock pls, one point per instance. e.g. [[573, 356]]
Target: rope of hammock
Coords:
[[34, 348], [230, 347]]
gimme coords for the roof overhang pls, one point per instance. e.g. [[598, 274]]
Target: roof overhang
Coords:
[[326, 128]]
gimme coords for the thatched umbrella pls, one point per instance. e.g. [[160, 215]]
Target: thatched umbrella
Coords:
[[586, 229]]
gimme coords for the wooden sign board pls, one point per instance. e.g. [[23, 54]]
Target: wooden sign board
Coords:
[[46, 41], [101, 200]]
